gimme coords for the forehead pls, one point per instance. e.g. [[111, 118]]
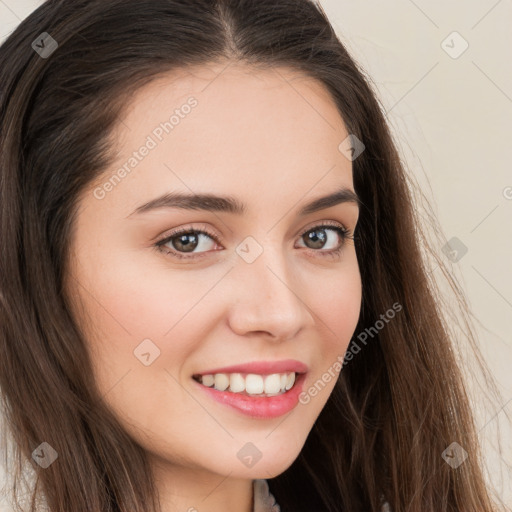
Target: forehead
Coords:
[[230, 127]]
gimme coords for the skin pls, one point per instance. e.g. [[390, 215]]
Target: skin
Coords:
[[269, 138]]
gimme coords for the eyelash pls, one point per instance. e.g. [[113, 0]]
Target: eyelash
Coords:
[[345, 233]]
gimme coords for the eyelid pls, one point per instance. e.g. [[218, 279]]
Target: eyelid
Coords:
[[204, 229], [323, 223]]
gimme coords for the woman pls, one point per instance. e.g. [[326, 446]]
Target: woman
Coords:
[[213, 294]]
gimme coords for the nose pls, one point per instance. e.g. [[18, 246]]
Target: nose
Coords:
[[268, 298]]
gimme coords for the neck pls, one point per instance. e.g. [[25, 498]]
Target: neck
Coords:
[[185, 489]]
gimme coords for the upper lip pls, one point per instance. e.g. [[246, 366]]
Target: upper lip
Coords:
[[261, 367]]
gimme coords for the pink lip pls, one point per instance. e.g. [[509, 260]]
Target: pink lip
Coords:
[[262, 367], [265, 407]]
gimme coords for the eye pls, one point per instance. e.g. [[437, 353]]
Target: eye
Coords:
[[318, 237], [182, 243], [186, 240]]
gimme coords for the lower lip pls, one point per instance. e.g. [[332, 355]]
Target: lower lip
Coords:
[[257, 406]]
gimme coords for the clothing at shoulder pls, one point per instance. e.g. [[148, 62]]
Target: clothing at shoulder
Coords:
[[264, 501]]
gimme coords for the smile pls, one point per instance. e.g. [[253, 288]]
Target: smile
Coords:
[[250, 384], [255, 403]]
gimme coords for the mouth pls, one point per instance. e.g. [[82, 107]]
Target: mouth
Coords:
[[262, 396], [251, 384]]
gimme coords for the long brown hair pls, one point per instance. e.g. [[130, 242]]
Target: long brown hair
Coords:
[[397, 405]]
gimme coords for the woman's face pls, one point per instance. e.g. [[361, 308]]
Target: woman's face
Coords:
[[263, 285]]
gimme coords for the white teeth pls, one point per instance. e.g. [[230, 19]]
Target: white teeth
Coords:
[[236, 383], [273, 383], [254, 384], [251, 384], [221, 381], [208, 380], [290, 380]]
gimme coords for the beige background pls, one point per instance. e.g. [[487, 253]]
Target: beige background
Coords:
[[451, 112]]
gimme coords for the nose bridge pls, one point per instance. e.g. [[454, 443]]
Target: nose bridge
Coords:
[[267, 296]]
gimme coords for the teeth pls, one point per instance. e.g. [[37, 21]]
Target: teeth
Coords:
[[290, 380], [221, 381], [273, 383], [208, 380], [251, 383], [254, 384], [236, 383]]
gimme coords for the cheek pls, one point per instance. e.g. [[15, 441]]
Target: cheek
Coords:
[[336, 302], [335, 298], [341, 305], [133, 312], [139, 297], [127, 302]]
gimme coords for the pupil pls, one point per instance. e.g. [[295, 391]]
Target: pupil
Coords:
[[317, 240], [187, 246]]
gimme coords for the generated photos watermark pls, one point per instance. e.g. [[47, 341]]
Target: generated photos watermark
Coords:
[[152, 140], [354, 348]]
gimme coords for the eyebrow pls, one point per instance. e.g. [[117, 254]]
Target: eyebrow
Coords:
[[229, 204]]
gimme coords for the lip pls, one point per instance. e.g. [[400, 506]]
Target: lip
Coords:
[[265, 407], [262, 367]]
